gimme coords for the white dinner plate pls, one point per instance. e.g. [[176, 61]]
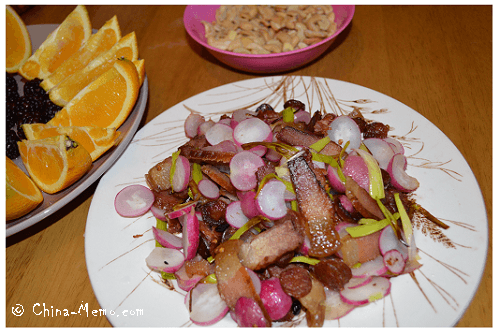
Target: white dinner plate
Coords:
[[453, 260], [54, 202]]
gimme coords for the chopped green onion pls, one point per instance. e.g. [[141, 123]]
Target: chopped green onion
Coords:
[[305, 259], [288, 115], [210, 259], [167, 276], [374, 174], [210, 279], [375, 297], [294, 205], [356, 266], [197, 174], [344, 148], [319, 145], [162, 225], [250, 223], [367, 228], [405, 220], [172, 168]]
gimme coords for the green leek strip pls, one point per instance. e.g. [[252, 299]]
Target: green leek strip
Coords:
[[210, 279], [375, 175], [162, 225], [407, 227], [197, 174], [330, 160], [392, 219], [190, 193], [167, 276], [368, 228], [289, 185], [250, 223], [264, 182], [319, 145], [172, 168], [294, 205], [210, 259], [288, 115], [356, 266], [363, 147], [305, 259]]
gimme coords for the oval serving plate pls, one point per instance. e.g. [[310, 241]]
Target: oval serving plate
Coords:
[[453, 260]]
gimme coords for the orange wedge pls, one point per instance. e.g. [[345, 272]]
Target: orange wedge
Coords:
[[22, 195], [54, 163], [95, 140], [68, 88], [18, 42], [98, 43], [106, 102], [69, 36], [141, 70]]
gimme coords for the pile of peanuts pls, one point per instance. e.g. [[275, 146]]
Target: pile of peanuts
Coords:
[[265, 29]]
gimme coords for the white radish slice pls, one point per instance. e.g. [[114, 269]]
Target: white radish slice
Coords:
[[242, 114], [134, 200], [356, 282], [167, 239], [192, 123], [243, 166], [181, 210], [205, 126], [257, 284], [158, 213], [395, 145], [234, 215], [388, 241], [165, 259], [399, 178], [185, 282], [252, 130], [225, 121], [376, 289], [302, 116], [356, 168], [271, 200], [334, 179], [375, 267], [248, 204], [335, 307], [205, 305], [394, 261], [381, 151], [208, 189], [343, 129], [182, 174], [219, 132], [190, 234]]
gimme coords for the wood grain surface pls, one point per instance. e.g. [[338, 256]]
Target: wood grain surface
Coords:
[[435, 59]]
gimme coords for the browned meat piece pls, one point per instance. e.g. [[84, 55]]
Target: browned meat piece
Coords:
[[218, 177], [362, 201], [321, 127], [268, 246], [158, 177], [293, 136], [376, 129], [296, 281], [315, 118], [210, 238], [199, 267], [295, 104], [204, 156], [214, 212], [197, 142], [315, 206], [332, 273], [267, 168]]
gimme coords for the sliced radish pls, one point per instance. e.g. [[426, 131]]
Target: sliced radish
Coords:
[[381, 151], [252, 130], [346, 203], [208, 189], [344, 129], [205, 126], [158, 213], [181, 210], [234, 215], [248, 204], [247, 313], [388, 241], [376, 289], [271, 200], [275, 300], [185, 282], [356, 282], [395, 145], [219, 132], [165, 259], [167, 239], [395, 261], [224, 146], [335, 307], [205, 305], [192, 123], [257, 283], [302, 116], [242, 114], [334, 179], [134, 200], [399, 178], [304, 248], [356, 168], [190, 234], [243, 166], [375, 267], [182, 174]]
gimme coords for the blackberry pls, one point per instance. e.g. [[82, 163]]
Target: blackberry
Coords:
[[11, 88], [50, 110], [11, 149], [32, 88], [10, 117]]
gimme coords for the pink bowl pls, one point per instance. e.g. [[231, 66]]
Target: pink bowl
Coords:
[[270, 63]]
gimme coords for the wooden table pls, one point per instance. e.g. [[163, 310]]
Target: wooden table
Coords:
[[435, 59]]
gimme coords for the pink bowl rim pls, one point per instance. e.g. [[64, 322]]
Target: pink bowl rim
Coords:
[[350, 15]]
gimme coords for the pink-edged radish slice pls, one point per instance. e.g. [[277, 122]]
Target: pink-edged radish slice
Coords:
[[375, 267], [165, 259], [234, 215], [395, 261], [381, 151], [242, 114], [190, 234], [185, 282], [388, 241], [192, 123], [219, 132], [182, 174], [243, 166], [158, 213], [305, 247], [167, 239], [356, 282], [356, 168], [247, 313], [205, 126], [346, 203], [344, 129], [208, 189], [248, 204], [276, 302], [335, 307], [302, 116], [395, 145], [252, 130], [224, 146], [271, 200], [334, 179], [375, 289], [181, 210], [257, 283], [399, 178], [134, 200], [205, 305]]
